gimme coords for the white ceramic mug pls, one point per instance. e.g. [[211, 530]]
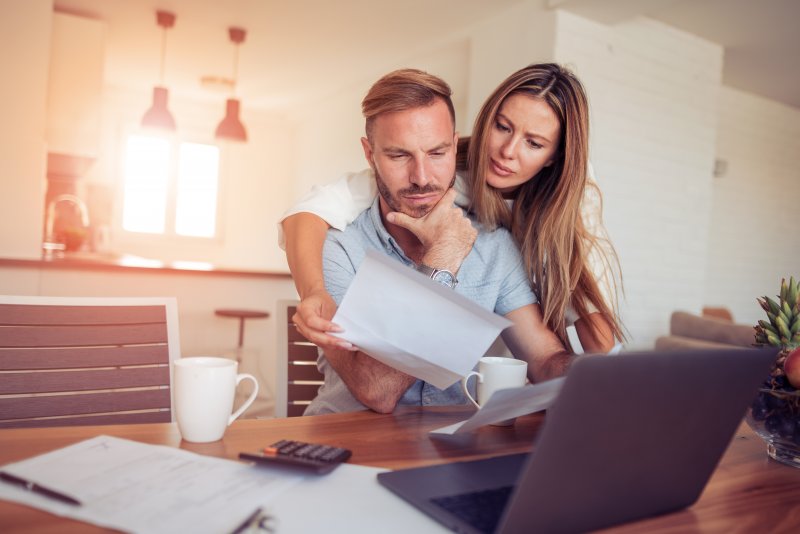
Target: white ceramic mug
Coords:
[[204, 391], [496, 372]]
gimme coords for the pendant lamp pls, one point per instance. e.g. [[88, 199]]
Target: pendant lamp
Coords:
[[158, 116], [231, 127]]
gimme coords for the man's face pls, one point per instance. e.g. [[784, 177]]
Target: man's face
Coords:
[[413, 154]]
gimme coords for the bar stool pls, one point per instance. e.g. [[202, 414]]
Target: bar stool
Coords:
[[242, 315]]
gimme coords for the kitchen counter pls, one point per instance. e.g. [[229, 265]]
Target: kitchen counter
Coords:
[[91, 261]]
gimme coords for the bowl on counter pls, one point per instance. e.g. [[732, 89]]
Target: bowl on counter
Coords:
[[775, 416]]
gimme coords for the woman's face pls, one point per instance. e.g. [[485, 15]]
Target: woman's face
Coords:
[[522, 141]]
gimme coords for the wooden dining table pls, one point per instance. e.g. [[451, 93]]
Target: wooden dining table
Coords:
[[748, 492]]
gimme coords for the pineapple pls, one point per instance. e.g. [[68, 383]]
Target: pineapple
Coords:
[[783, 328]]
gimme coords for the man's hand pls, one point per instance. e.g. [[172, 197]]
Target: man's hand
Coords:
[[313, 320], [446, 234]]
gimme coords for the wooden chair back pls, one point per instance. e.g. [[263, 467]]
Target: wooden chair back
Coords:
[[298, 378], [86, 361]]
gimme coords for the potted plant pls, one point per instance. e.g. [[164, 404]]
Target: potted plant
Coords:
[[775, 413]]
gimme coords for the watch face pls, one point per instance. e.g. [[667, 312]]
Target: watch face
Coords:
[[445, 278]]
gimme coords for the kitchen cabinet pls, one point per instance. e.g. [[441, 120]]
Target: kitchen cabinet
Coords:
[[75, 85]]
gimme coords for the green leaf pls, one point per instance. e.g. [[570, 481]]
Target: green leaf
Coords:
[[773, 306]]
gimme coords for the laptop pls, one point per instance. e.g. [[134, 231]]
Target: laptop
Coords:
[[629, 436]]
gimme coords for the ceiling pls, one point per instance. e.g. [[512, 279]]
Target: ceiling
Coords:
[[293, 50], [299, 49], [760, 37]]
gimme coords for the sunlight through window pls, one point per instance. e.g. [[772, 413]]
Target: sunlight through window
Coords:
[[196, 209], [146, 181], [170, 189]]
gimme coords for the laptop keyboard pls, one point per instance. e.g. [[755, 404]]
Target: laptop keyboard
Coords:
[[481, 509]]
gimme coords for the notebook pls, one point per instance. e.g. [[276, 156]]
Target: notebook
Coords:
[[629, 436]]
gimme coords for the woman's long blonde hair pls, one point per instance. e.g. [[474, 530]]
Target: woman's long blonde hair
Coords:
[[546, 219]]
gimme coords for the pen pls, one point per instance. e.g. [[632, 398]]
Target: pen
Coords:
[[257, 519], [37, 488]]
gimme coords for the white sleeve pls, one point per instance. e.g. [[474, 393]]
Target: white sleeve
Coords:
[[570, 315], [462, 190], [337, 203]]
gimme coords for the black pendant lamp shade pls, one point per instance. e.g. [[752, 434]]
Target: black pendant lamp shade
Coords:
[[158, 116], [231, 127]]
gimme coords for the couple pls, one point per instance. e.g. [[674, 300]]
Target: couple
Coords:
[[524, 171]]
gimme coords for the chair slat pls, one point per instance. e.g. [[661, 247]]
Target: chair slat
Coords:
[[107, 419], [70, 358], [297, 358], [303, 353], [304, 372], [55, 381], [302, 392], [86, 403], [65, 336], [294, 335], [32, 314]]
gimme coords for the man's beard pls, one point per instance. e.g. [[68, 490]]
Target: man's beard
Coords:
[[394, 201]]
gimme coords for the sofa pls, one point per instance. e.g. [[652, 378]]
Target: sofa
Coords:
[[690, 331]]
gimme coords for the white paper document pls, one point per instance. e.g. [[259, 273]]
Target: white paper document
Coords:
[[349, 500], [507, 404], [136, 487], [407, 321]]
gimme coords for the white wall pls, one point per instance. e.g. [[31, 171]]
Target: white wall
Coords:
[[24, 62], [328, 131], [653, 96], [754, 239], [519, 36]]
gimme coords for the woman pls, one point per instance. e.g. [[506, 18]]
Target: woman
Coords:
[[525, 168]]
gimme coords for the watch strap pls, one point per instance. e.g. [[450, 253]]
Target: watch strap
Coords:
[[434, 274]]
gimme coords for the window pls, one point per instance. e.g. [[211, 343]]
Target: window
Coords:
[[170, 188]]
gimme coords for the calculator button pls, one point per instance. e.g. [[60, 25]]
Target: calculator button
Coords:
[[290, 447], [303, 451], [333, 455], [318, 452]]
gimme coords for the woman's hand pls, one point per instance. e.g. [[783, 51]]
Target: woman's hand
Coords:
[[595, 334], [313, 320]]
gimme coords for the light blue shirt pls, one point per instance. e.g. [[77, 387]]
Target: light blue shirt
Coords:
[[492, 275]]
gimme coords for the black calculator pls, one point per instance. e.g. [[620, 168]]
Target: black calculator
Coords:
[[312, 457]]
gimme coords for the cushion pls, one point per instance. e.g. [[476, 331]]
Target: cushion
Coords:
[[685, 324]]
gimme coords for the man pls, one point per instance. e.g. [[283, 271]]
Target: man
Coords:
[[410, 146]]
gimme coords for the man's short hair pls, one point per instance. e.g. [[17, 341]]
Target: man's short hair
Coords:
[[402, 90]]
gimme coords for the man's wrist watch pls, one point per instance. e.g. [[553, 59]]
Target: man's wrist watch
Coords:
[[443, 276]]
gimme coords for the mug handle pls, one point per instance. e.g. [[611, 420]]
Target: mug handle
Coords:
[[466, 389], [249, 400]]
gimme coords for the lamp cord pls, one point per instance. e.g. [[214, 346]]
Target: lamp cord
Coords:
[[235, 67], [163, 54]]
